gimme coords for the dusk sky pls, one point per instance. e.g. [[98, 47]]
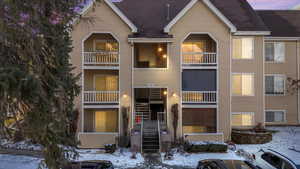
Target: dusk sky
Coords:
[[274, 4]]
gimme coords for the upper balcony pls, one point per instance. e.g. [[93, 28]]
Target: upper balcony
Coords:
[[199, 50], [101, 51]]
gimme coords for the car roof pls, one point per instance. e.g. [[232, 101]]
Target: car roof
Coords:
[[292, 155]]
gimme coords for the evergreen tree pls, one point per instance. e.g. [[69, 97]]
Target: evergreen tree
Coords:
[[37, 86]]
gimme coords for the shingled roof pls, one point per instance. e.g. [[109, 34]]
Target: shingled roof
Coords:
[[150, 16], [282, 23]]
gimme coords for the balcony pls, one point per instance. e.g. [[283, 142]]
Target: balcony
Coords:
[[100, 97], [199, 97], [101, 51], [101, 58], [199, 50]]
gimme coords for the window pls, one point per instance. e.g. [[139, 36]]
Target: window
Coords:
[[242, 119], [275, 52], [106, 121], [105, 45], [243, 48], [275, 116], [275, 84], [199, 120], [276, 162], [106, 83], [243, 84], [150, 55]]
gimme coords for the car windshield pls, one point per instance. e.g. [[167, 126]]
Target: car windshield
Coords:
[[236, 164], [210, 165]]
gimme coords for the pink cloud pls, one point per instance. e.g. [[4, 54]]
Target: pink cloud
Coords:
[[273, 4]]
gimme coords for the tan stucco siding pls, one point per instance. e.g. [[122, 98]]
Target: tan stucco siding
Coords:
[[256, 66], [288, 102], [104, 21], [96, 140], [200, 19]]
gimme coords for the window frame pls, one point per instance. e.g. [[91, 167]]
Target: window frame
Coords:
[[274, 61], [253, 84], [241, 113], [276, 110], [155, 69], [94, 124], [253, 49], [284, 84]]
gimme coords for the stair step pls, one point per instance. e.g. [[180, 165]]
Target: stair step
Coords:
[[151, 151]]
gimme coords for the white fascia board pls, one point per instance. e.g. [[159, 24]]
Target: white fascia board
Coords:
[[189, 6], [249, 33]]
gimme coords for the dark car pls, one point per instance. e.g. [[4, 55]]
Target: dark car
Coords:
[[225, 164], [97, 164]]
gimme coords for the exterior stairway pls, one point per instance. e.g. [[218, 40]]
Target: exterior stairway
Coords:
[[142, 110], [150, 137]]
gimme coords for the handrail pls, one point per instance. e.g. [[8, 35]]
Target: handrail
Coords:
[[142, 128], [199, 96], [101, 57], [199, 58], [159, 141], [101, 96]]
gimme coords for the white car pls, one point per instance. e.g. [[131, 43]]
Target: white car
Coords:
[[271, 159]]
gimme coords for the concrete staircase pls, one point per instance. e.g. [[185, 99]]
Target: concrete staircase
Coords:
[[150, 137]]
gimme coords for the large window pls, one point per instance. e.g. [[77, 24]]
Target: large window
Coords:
[[243, 84], [105, 45], [243, 48], [101, 120], [242, 119], [106, 82], [275, 84], [150, 55], [199, 120], [275, 52], [275, 116]]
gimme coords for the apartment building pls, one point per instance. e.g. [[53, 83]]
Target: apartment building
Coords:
[[218, 64]]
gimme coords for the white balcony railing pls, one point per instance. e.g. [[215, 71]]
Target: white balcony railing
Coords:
[[199, 97], [101, 96], [200, 58], [94, 58]]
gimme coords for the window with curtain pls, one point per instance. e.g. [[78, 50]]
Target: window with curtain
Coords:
[[243, 48], [192, 51], [277, 116], [243, 84], [104, 45], [240, 119], [106, 121], [200, 120], [106, 83], [275, 84], [275, 52]]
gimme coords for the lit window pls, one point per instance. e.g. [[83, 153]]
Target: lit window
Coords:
[[106, 121], [103, 45], [275, 52], [106, 83], [242, 119], [275, 84], [243, 48], [275, 116], [243, 84]]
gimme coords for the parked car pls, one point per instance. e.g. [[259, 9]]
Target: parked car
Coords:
[[97, 164], [226, 164], [271, 159]]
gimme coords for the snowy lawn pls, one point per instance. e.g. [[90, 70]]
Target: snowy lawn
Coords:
[[287, 137], [18, 162]]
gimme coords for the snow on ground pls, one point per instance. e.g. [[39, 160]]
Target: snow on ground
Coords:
[[119, 159], [191, 160], [285, 138], [18, 162], [22, 145]]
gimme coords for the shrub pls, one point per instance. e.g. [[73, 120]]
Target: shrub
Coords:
[[110, 148], [205, 147]]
